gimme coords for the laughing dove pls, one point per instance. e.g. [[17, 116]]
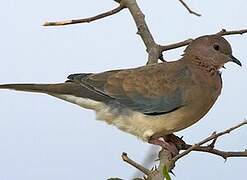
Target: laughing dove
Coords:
[[150, 101]]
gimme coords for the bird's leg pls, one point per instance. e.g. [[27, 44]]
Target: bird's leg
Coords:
[[164, 143], [171, 138], [176, 141]]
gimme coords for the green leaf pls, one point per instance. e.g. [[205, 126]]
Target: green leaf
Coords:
[[166, 173]]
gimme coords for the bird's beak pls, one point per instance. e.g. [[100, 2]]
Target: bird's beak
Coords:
[[235, 60]]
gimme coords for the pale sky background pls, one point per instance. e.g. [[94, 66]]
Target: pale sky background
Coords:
[[45, 138]]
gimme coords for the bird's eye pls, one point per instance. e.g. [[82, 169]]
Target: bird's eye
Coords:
[[216, 47]]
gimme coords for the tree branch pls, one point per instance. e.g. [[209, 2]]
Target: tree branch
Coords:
[[135, 164], [197, 146], [154, 174], [143, 30], [154, 50], [224, 32], [223, 154], [85, 20], [188, 8], [139, 18], [175, 45]]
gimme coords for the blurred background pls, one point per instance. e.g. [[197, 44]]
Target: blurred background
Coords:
[[45, 138]]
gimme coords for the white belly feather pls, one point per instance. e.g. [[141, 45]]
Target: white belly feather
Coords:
[[135, 123]]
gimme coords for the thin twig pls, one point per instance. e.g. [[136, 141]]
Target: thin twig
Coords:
[[86, 20], [223, 154], [175, 45], [188, 8], [212, 137], [135, 164], [224, 32]]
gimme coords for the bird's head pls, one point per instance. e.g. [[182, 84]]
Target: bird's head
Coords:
[[213, 50]]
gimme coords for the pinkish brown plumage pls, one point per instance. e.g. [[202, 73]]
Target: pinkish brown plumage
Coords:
[[150, 101]]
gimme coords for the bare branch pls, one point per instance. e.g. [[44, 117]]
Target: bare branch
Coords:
[[212, 137], [224, 32], [154, 174], [188, 8], [223, 154], [139, 18], [135, 164], [85, 20], [175, 45], [143, 30]]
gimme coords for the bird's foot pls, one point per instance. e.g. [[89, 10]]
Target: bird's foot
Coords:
[[169, 146], [178, 141]]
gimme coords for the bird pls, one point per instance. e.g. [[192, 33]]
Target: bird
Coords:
[[152, 101]]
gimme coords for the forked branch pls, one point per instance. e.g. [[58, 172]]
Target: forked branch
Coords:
[[210, 148], [154, 50]]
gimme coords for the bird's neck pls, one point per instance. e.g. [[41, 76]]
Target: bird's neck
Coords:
[[203, 65], [207, 75]]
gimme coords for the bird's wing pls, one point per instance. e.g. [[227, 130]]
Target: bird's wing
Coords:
[[152, 90]]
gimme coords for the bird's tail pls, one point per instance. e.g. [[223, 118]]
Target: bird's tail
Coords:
[[67, 88], [39, 88]]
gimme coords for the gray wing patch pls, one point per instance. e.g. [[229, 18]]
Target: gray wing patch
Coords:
[[93, 93], [154, 106], [137, 102]]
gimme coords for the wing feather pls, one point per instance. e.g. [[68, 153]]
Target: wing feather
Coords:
[[152, 90]]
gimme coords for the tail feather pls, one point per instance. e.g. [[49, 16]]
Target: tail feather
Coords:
[[40, 88], [68, 88]]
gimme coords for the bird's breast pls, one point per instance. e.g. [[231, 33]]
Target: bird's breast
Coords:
[[200, 98]]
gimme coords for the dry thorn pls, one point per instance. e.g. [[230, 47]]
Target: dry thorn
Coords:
[[188, 8], [85, 20], [172, 173]]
